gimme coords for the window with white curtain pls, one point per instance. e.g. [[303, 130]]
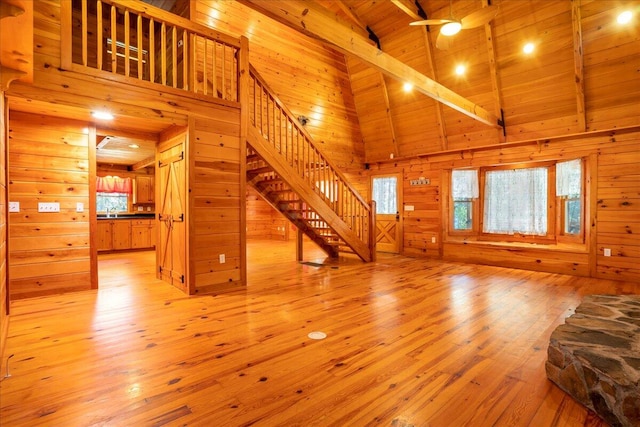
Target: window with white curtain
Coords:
[[515, 201], [384, 193], [519, 202]]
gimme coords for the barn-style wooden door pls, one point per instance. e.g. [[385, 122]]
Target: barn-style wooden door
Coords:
[[171, 205], [386, 190]]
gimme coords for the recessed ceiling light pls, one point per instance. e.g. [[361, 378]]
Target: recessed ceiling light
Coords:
[[461, 69], [625, 17], [528, 48], [102, 115], [407, 87], [451, 28], [134, 146]]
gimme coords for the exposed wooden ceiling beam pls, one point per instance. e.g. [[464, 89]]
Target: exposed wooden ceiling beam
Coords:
[[578, 64], [383, 88], [315, 21], [493, 70], [143, 163], [409, 8]]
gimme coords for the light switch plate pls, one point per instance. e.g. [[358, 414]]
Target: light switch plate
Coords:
[[14, 206], [49, 207], [222, 259]]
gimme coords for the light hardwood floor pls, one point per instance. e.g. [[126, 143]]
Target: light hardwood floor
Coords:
[[409, 342]]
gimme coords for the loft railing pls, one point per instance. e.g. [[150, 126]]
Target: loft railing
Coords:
[[284, 132], [138, 41]]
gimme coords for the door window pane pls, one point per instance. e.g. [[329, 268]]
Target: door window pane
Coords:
[[384, 193]]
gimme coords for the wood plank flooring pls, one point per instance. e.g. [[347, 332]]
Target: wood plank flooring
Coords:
[[409, 342]]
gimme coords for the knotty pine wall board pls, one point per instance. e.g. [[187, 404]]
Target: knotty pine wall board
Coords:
[[216, 203], [57, 171]]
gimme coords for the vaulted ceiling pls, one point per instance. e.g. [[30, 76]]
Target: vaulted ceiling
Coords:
[[563, 87]]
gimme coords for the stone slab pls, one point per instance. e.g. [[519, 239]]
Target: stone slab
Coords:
[[595, 357]]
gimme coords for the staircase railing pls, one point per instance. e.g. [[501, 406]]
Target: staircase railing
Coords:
[[284, 132], [138, 41]]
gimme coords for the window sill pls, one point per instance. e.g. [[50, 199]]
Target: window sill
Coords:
[[557, 247]]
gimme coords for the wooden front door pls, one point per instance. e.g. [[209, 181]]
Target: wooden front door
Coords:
[[171, 205], [386, 191]]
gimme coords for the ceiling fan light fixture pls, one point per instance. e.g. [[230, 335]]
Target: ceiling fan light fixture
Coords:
[[451, 28]]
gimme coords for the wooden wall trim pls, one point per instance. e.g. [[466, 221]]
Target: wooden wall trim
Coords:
[[244, 82], [93, 220], [512, 144], [591, 227]]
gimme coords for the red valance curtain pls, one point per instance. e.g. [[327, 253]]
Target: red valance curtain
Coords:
[[113, 184]]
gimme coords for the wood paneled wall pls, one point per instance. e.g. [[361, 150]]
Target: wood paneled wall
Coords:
[[48, 162], [614, 221], [216, 200], [4, 295], [263, 221]]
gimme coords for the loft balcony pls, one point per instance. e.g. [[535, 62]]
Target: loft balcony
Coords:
[[135, 43]]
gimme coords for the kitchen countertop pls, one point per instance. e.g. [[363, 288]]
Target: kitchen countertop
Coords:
[[145, 215]]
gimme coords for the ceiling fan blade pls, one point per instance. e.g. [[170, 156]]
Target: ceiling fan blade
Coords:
[[479, 17], [443, 42], [431, 22]]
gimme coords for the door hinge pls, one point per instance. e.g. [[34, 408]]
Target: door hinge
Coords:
[[160, 269], [182, 278]]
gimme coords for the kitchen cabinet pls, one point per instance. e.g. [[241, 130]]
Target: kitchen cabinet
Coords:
[[142, 233], [114, 234], [122, 234], [144, 189]]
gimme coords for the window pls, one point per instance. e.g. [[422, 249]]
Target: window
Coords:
[[112, 193], [569, 191], [464, 191], [515, 201], [112, 202], [543, 203], [384, 193]]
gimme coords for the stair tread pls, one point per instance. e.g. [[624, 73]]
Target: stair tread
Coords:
[[261, 170]]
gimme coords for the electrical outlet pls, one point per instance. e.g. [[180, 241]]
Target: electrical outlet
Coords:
[[14, 206], [607, 252], [222, 259], [433, 240], [49, 207], [79, 207]]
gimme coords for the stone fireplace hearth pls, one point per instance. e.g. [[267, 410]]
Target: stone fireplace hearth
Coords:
[[595, 357]]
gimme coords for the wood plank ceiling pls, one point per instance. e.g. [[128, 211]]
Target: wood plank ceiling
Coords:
[[556, 90]]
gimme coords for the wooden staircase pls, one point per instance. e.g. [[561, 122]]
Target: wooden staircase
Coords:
[[294, 177]]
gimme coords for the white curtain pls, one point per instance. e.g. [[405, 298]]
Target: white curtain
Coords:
[[384, 193], [569, 178], [464, 184], [515, 201]]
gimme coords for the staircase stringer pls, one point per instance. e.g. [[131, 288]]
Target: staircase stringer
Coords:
[[282, 168]]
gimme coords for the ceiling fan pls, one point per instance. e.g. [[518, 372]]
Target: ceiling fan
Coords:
[[452, 26]]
